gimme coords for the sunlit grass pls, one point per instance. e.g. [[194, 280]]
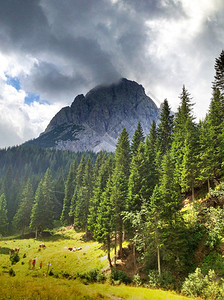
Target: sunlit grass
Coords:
[[36, 283]]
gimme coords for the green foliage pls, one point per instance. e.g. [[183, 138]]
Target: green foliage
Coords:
[[137, 138], [14, 258], [94, 275], [3, 215], [137, 280], [21, 219], [118, 276], [165, 128], [165, 280], [213, 260], [42, 211], [205, 286], [214, 226], [12, 272], [69, 191]]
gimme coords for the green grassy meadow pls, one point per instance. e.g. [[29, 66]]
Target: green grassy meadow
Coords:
[[36, 283]]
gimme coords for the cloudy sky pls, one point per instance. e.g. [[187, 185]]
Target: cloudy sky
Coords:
[[52, 50]]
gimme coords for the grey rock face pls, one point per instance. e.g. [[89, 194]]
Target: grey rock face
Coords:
[[94, 122]]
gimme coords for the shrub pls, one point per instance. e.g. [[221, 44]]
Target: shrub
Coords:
[[215, 262], [118, 276], [165, 280], [14, 258], [194, 284], [137, 280], [198, 285], [93, 275], [153, 278], [12, 272]]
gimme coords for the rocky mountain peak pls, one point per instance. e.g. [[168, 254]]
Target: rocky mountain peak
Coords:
[[94, 121]]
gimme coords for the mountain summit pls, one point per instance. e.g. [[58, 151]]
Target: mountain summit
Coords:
[[94, 121]]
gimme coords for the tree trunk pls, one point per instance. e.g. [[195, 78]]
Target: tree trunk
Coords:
[[192, 192], [36, 233], [108, 253], [158, 252], [115, 250], [208, 186], [134, 256], [120, 240], [158, 260]]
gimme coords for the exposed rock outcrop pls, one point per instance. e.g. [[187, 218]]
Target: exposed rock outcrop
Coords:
[[94, 121]]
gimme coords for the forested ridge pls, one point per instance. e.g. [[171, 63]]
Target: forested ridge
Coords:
[[164, 193]]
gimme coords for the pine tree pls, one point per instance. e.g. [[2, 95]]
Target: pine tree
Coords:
[[189, 171], [184, 127], [215, 127], [104, 226], [151, 151], [69, 191], [84, 195], [120, 181], [169, 189], [165, 128], [137, 184], [137, 138], [78, 185], [42, 210], [104, 172], [219, 73], [154, 226], [21, 219], [3, 215]]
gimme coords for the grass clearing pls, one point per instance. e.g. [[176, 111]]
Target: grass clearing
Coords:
[[35, 283]]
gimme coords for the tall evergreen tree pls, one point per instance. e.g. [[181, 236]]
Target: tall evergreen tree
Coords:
[[189, 171], [137, 184], [184, 121], [69, 191], [165, 128], [137, 138], [84, 194], [151, 152], [120, 181], [104, 227], [104, 172], [42, 210], [3, 215], [21, 219], [77, 186], [219, 73]]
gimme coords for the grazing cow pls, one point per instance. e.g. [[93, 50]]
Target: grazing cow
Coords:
[[13, 250], [42, 246]]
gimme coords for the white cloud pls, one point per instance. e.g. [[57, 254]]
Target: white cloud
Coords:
[[19, 121]]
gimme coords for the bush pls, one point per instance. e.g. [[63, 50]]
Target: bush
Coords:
[[93, 275], [215, 262], [165, 280], [137, 280], [153, 278], [118, 276], [194, 284], [12, 272], [14, 258], [198, 285]]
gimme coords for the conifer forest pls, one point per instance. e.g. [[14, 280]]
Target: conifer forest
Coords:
[[163, 193]]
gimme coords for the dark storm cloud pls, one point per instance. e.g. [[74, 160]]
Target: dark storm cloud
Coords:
[[80, 43], [47, 80], [156, 8], [97, 40]]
